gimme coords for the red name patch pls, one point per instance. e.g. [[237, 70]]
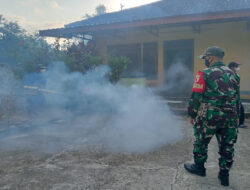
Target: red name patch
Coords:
[[199, 83]]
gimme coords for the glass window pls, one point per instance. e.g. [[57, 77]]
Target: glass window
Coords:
[[144, 58], [150, 60]]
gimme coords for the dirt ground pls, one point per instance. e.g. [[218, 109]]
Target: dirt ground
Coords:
[[93, 168]]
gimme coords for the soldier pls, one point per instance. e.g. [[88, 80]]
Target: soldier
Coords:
[[235, 67], [213, 110]]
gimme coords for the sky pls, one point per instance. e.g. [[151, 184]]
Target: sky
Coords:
[[34, 15]]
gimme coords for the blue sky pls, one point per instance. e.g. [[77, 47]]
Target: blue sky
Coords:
[[43, 14]]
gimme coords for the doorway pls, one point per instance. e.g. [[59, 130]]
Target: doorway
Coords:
[[178, 67]]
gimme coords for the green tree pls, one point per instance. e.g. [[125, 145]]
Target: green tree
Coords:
[[82, 57], [117, 66], [21, 51]]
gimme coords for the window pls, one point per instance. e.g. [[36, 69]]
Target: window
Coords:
[[150, 60], [144, 58], [178, 67]]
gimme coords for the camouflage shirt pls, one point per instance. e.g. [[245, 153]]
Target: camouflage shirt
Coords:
[[238, 91], [217, 87]]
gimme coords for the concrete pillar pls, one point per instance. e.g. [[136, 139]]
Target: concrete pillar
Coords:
[[160, 63]]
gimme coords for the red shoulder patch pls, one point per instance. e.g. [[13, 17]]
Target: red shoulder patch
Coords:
[[199, 83]]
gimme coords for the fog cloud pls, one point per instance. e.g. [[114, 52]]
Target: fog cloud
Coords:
[[72, 110]]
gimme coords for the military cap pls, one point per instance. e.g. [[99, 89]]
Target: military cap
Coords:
[[233, 64], [213, 51]]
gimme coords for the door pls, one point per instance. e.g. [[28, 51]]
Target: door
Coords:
[[178, 67]]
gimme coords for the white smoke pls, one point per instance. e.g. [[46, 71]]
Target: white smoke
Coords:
[[84, 110], [178, 79], [8, 82]]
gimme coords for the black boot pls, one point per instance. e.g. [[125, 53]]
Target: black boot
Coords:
[[197, 169], [224, 177]]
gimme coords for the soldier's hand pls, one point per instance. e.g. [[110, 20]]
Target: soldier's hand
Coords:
[[192, 121]]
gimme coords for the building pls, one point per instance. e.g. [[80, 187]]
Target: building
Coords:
[[163, 39]]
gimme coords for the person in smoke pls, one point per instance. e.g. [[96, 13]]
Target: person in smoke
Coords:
[[235, 67], [213, 111], [35, 100]]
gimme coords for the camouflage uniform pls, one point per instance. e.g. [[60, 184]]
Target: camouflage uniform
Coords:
[[215, 105]]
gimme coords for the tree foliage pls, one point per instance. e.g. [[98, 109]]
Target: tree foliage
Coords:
[[117, 66], [82, 57], [20, 51], [25, 53]]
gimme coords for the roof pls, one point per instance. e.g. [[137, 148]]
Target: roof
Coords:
[[158, 13], [165, 8]]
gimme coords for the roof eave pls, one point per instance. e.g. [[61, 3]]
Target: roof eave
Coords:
[[67, 32]]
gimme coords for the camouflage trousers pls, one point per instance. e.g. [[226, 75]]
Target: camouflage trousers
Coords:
[[226, 134]]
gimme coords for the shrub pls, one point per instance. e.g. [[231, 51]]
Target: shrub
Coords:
[[117, 66]]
